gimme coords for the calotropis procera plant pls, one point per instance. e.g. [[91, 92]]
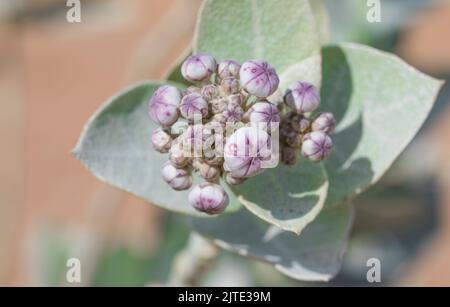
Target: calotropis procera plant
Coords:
[[231, 126], [296, 216]]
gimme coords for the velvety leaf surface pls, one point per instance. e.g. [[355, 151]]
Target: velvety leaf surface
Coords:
[[315, 255], [380, 102], [280, 32], [288, 197], [115, 146]]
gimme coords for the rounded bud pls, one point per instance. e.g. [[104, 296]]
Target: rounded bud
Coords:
[[198, 67], [209, 92], [289, 155], [303, 97], [161, 140], [209, 198], [316, 146], [208, 172], [258, 78], [299, 123], [264, 112], [324, 122], [177, 178], [233, 113], [193, 106], [230, 86], [245, 152], [228, 69], [177, 155], [163, 106], [233, 180]]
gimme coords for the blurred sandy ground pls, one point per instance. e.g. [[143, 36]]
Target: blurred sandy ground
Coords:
[[53, 75]]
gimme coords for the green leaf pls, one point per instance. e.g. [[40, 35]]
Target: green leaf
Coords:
[[280, 32], [115, 147], [316, 255], [380, 103], [288, 197], [322, 19]]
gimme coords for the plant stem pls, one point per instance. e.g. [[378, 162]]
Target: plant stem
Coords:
[[192, 263]]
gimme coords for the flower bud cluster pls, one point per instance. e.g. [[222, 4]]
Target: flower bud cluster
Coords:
[[301, 132], [227, 93]]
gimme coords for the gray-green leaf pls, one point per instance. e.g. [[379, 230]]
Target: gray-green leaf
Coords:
[[280, 32], [288, 197], [380, 103], [316, 255]]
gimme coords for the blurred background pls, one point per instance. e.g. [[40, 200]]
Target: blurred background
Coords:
[[55, 74]]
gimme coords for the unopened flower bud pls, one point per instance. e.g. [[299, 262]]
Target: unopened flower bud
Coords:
[[289, 155], [230, 86], [258, 78], [193, 106], [198, 67], [209, 198], [316, 146], [303, 97], [233, 180], [163, 106], [192, 90], [299, 123], [245, 151], [208, 172], [233, 113], [264, 113], [209, 92], [177, 155], [177, 178], [161, 140], [325, 122], [218, 105], [228, 69]]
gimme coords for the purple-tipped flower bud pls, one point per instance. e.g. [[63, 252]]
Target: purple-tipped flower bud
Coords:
[[233, 180], [258, 78], [289, 155], [193, 106], [228, 69], [177, 178], [209, 198], [161, 140], [303, 97], [163, 106], [245, 152], [230, 86], [209, 92], [316, 146], [233, 113], [264, 113], [198, 67], [325, 122]]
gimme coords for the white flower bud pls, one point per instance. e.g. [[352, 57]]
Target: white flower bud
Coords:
[[209, 92], [177, 155], [258, 78], [233, 113], [177, 178], [245, 151], [316, 146], [193, 106], [233, 180], [161, 140], [228, 69], [208, 172], [303, 97], [163, 106], [209, 198], [325, 122], [264, 112], [230, 86], [198, 67]]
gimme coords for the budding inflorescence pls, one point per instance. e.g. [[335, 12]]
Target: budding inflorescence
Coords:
[[232, 125]]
